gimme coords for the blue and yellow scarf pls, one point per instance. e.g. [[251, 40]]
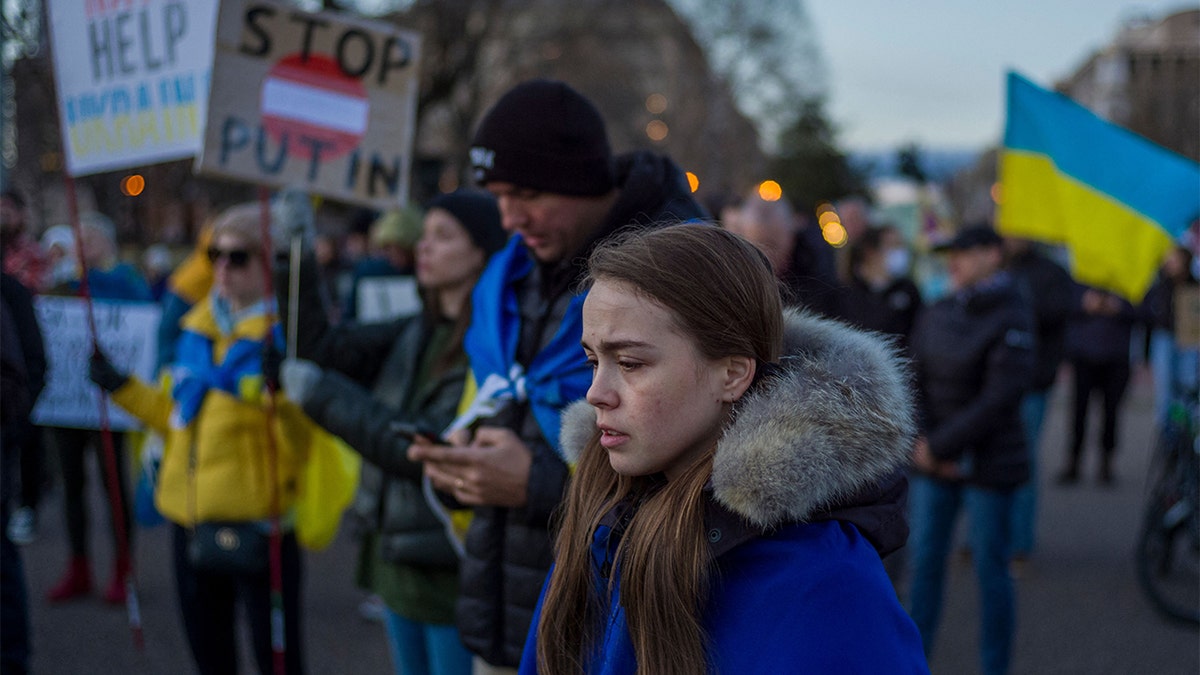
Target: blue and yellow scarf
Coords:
[[558, 375], [238, 371]]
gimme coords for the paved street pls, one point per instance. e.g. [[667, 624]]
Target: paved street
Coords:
[[1080, 609]]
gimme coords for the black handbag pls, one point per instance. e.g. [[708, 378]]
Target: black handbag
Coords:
[[234, 547], [238, 548]]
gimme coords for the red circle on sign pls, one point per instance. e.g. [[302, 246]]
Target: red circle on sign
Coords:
[[310, 104]]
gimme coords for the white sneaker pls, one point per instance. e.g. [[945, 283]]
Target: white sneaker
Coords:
[[22, 527]]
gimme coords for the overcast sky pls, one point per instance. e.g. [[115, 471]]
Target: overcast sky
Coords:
[[932, 71]]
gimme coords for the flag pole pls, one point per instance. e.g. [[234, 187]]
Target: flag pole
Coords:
[[278, 634], [116, 499]]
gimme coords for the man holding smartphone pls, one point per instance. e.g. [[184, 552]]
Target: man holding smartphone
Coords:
[[543, 151]]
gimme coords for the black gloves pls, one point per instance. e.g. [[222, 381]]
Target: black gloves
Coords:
[[104, 374]]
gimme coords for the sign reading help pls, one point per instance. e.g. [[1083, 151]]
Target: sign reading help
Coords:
[[132, 79], [323, 101]]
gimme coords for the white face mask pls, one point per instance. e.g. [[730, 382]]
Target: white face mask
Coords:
[[897, 261]]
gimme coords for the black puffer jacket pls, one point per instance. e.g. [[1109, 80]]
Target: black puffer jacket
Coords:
[[1052, 292], [974, 359], [508, 550], [363, 397], [892, 309]]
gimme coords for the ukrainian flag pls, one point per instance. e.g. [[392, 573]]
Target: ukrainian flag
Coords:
[[1117, 201]]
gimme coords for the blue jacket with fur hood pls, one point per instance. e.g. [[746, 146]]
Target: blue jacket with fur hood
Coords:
[[805, 497]]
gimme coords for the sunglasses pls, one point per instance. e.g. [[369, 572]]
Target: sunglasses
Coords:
[[236, 257]]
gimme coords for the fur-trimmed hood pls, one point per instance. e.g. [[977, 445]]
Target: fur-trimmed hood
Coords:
[[833, 421]]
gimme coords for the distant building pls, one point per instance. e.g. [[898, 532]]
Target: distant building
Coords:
[[1147, 80]]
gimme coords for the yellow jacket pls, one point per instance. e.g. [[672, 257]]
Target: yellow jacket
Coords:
[[231, 478]]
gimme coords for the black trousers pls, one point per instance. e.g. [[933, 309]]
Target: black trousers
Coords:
[[33, 465], [1110, 379], [14, 593], [208, 605], [73, 446]]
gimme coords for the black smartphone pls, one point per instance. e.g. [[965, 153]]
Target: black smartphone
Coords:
[[411, 431]]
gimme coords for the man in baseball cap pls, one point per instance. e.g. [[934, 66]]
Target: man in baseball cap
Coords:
[[975, 236], [973, 360]]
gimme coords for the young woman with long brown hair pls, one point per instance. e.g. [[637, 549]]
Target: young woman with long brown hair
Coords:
[[707, 526]]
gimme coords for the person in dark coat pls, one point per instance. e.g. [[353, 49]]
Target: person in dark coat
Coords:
[[880, 295], [799, 254], [974, 354], [23, 371], [1174, 360], [703, 531], [543, 151], [107, 279], [1050, 290], [373, 386], [1099, 330]]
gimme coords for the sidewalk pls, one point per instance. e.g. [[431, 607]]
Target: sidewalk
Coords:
[[1079, 606]]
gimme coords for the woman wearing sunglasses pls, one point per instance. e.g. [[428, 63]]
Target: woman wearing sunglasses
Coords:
[[218, 456], [717, 520]]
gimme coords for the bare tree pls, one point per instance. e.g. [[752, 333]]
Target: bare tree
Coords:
[[768, 53], [474, 50]]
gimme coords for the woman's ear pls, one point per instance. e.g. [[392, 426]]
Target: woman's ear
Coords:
[[739, 375]]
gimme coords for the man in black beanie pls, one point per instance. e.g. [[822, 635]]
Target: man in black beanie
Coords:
[[543, 151]]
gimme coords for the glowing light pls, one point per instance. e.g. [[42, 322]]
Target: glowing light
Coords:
[[823, 207], [829, 217], [656, 104], [693, 181], [770, 191], [132, 185], [834, 234], [657, 130]]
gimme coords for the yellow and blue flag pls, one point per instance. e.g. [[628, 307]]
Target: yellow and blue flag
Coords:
[[1117, 201]]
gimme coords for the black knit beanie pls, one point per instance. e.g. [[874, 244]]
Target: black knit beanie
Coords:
[[544, 135], [478, 214]]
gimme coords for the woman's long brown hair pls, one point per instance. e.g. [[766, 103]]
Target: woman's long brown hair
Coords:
[[721, 293]]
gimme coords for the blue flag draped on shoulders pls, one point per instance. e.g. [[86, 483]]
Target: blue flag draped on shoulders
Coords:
[[1117, 201], [239, 372], [559, 374]]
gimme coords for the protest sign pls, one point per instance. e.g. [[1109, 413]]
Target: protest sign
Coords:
[[322, 101], [132, 79], [382, 299], [127, 333]]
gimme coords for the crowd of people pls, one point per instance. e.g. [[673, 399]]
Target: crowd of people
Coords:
[[600, 429]]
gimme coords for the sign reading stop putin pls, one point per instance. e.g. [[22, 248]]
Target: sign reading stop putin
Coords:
[[323, 101]]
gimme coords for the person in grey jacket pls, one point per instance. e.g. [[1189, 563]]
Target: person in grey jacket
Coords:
[[381, 383], [974, 359]]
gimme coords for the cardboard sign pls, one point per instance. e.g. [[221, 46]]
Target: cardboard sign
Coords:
[[128, 336], [324, 101], [132, 79]]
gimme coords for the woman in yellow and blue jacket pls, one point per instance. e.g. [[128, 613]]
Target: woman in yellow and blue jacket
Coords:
[[219, 457]]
